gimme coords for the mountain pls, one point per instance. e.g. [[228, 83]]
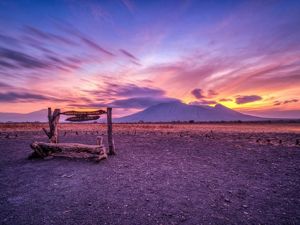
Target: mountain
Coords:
[[40, 116], [164, 112], [36, 116], [177, 111]]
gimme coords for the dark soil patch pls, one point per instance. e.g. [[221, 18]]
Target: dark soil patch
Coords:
[[157, 177]]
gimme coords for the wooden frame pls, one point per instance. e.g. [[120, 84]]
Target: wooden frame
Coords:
[[53, 148]]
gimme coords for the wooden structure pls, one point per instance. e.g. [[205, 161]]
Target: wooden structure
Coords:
[[53, 148]]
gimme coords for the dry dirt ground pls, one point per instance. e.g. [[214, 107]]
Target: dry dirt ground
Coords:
[[162, 174]]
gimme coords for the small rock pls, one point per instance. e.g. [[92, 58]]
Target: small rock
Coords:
[[227, 200], [66, 211], [67, 176]]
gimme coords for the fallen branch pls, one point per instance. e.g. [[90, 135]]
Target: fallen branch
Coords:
[[70, 150]]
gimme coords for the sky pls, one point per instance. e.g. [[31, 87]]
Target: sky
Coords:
[[131, 54]]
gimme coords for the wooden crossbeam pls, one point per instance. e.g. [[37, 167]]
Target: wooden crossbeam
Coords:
[[80, 118], [81, 113]]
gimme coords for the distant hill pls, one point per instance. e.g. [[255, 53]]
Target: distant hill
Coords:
[[164, 112], [36, 116], [177, 111], [40, 116]]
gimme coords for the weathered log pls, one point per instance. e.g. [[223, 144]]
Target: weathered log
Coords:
[[71, 150], [80, 113], [82, 118]]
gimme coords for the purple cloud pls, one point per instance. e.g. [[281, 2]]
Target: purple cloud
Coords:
[[95, 46], [7, 65], [64, 63], [28, 97], [247, 98], [276, 103], [290, 101], [212, 93], [9, 40], [134, 90], [135, 63], [21, 59], [15, 59], [16, 97], [197, 93], [126, 90], [4, 85], [225, 100], [128, 54], [48, 36]]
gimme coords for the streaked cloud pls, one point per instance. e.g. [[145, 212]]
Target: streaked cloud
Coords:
[[20, 59], [285, 102], [225, 100], [23, 96], [96, 46], [39, 34], [247, 98], [212, 93], [128, 54], [134, 54], [4, 85]]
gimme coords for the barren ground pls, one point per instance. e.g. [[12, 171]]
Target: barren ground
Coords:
[[162, 174]]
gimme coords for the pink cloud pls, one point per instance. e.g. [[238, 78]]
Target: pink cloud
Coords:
[[247, 99]]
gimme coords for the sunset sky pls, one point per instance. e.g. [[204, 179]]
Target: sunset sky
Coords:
[[133, 54]]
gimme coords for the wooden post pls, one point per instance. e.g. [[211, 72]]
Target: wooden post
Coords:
[[53, 122], [99, 140], [111, 147]]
